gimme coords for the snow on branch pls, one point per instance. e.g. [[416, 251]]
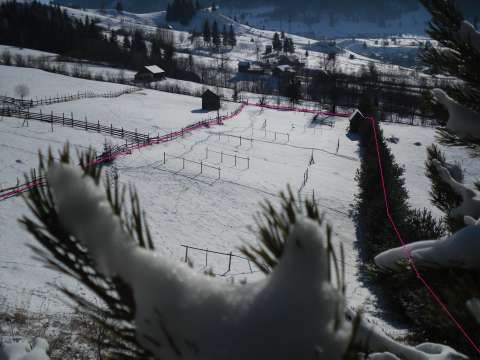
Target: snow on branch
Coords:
[[470, 205], [462, 121], [469, 34]]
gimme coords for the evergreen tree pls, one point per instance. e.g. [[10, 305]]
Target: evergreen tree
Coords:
[[461, 60], [276, 42], [225, 41], [216, 35], [232, 38], [119, 7], [181, 10], [207, 35], [168, 16], [127, 45], [294, 91]]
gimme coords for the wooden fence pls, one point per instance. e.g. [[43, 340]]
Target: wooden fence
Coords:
[[132, 136], [28, 103]]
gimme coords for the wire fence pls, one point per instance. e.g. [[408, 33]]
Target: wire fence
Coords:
[[223, 154], [230, 256], [188, 161]]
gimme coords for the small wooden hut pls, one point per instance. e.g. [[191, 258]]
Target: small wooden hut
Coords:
[[210, 101]]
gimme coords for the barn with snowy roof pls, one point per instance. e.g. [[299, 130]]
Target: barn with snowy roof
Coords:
[[150, 73], [355, 120]]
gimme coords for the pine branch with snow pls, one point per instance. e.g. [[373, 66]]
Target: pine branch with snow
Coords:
[[158, 308], [457, 56], [63, 252], [441, 194]]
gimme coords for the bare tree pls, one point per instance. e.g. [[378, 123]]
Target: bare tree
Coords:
[[22, 90]]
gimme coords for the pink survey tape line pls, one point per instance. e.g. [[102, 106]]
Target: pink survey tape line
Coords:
[[408, 253]]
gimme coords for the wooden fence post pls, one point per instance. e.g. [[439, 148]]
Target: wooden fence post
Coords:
[[164, 158], [229, 261], [235, 160], [186, 253], [63, 119]]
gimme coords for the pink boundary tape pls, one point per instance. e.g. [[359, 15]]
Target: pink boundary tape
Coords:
[[407, 251], [218, 121]]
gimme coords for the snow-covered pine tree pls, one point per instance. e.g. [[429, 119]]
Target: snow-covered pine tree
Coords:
[[449, 263]]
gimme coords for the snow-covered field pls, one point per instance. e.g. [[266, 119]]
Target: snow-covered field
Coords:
[[43, 84], [188, 204]]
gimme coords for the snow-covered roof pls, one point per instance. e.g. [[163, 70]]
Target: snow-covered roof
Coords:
[[154, 69], [285, 68]]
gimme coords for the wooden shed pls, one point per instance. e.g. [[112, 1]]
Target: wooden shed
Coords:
[[150, 73], [355, 120], [210, 101]]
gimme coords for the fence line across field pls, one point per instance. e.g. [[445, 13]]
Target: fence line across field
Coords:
[[235, 156], [230, 256], [63, 120], [275, 133], [65, 98], [184, 160]]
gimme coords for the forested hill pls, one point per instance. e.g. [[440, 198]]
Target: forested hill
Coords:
[[364, 10]]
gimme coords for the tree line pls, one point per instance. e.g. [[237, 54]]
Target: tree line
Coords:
[[49, 28], [182, 11], [212, 35]]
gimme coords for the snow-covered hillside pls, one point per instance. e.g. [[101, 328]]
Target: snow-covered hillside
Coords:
[[249, 39]]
